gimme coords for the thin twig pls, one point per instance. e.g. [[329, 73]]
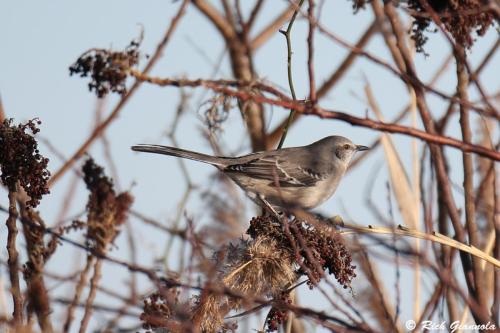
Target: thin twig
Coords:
[[287, 34], [380, 294], [2, 112], [91, 297], [495, 307], [255, 12], [310, 54], [82, 281]]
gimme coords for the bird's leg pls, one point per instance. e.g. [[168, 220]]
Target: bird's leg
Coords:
[[269, 208]]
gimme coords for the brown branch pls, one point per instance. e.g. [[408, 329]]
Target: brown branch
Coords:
[[382, 304], [323, 113], [425, 136], [38, 297], [272, 28], [255, 12], [133, 299], [495, 307], [222, 24], [100, 307], [91, 297], [310, 53], [433, 236], [17, 297], [470, 221], [2, 111], [210, 84], [487, 58], [229, 14], [397, 57], [441, 123], [123, 101], [431, 305], [69, 196], [82, 281]]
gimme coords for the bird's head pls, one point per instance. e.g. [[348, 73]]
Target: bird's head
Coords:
[[344, 149]]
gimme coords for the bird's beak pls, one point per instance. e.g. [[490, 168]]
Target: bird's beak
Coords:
[[361, 148]]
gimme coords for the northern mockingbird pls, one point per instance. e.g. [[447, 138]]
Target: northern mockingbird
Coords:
[[301, 177]]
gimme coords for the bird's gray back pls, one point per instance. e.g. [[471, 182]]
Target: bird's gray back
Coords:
[[277, 174]]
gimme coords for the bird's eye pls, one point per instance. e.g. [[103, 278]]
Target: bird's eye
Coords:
[[346, 146]]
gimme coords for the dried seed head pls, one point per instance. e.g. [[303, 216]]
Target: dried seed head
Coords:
[[20, 160], [107, 69], [105, 210], [123, 203], [316, 249], [278, 316], [461, 18], [209, 311], [157, 310], [259, 267]]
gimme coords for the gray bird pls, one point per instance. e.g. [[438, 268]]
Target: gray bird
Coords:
[[301, 177]]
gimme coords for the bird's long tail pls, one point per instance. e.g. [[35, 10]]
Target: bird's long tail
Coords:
[[177, 152]]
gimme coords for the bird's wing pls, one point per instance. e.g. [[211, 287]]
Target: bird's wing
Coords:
[[277, 170]]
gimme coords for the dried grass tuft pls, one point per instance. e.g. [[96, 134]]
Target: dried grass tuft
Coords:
[[259, 267], [209, 312]]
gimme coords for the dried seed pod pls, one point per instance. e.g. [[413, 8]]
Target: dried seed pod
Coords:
[[20, 160]]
